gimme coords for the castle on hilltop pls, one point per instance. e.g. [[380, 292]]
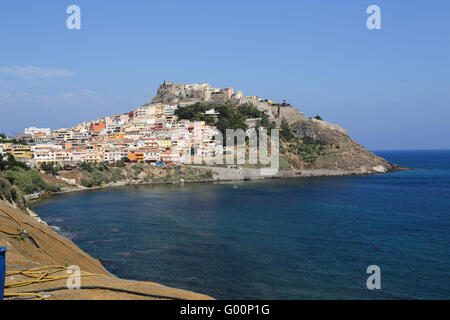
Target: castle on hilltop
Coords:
[[187, 94], [177, 93]]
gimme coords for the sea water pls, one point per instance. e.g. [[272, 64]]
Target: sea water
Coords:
[[308, 238]]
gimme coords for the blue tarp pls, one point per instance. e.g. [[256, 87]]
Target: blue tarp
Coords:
[[2, 271]]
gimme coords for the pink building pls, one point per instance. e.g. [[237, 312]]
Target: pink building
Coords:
[[228, 92]]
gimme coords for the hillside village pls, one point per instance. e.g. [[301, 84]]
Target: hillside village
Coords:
[[181, 121], [151, 133]]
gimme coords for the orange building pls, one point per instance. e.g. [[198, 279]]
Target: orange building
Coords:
[[116, 137], [96, 127], [68, 146], [134, 156]]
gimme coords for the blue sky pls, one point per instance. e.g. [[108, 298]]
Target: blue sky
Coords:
[[390, 88]]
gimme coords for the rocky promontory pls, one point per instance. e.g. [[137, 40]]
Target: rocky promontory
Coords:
[[306, 143]]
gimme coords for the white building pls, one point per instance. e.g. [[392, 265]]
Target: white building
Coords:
[[147, 110], [33, 130], [115, 155], [170, 110], [45, 147]]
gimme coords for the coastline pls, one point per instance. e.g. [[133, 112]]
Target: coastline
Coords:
[[230, 175], [218, 179], [286, 174]]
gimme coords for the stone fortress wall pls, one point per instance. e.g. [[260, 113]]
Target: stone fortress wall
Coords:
[[186, 94]]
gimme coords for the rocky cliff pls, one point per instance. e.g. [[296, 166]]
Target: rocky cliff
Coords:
[[331, 147]]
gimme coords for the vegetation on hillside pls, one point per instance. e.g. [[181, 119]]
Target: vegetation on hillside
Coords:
[[230, 117], [175, 174], [28, 181], [310, 149], [307, 148], [97, 174], [286, 133], [5, 139], [17, 179], [10, 193], [50, 168]]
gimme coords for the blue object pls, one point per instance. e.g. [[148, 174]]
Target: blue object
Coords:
[[2, 271]]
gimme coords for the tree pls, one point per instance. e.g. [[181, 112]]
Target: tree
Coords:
[[49, 168], [285, 131], [86, 166], [230, 116], [9, 162], [318, 118]]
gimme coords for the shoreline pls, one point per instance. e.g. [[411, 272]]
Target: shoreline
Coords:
[[286, 174], [310, 173]]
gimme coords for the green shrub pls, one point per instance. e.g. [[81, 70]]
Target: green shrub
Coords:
[[116, 175], [310, 149], [230, 117], [86, 182], [99, 174], [10, 163], [284, 163], [208, 174], [49, 168], [28, 181], [86, 166], [120, 163], [10, 193], [285, 131]]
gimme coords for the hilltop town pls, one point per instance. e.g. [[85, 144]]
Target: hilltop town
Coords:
[[181, 121], [152, 133]]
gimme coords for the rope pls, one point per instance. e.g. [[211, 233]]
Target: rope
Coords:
[[41, 275], [38, 296], [45, 274], [20, 234], [137, 293]]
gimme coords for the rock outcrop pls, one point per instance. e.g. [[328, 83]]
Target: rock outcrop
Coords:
[[339, 152]]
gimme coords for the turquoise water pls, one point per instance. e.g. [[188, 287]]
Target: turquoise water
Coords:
[[291, 239]]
